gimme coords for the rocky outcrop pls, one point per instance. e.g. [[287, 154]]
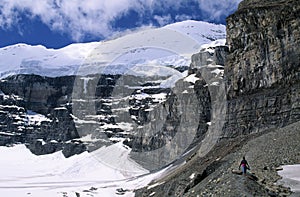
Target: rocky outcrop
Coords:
[[208, 65], [262, 69], [177, 125]]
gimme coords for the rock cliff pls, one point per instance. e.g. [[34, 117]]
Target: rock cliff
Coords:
[[42, 134], [61, 113], [262, 68]]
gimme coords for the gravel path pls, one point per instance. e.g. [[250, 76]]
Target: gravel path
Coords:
[[265, 155]]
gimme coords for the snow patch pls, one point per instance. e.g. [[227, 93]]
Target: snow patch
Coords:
[[218, 71], [85, 83], [291, 177], [191, 78], [192, 176], [155, 185], [33, 118], [210, 47], [216, 83], [161, 97], [89, 138], [171, 81]]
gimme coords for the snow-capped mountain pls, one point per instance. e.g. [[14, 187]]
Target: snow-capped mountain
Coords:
[[128, 97], [170, 45]]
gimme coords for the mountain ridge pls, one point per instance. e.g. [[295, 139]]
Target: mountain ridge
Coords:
[[70, 59]]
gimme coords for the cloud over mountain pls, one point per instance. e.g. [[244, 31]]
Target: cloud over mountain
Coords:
[[102, 18]]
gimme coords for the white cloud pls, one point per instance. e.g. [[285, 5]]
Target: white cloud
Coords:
[[163, 20], [217, 9], [182, 17], [76, 17], [95, 17]]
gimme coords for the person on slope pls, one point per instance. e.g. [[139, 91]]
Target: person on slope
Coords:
[[244, 164]]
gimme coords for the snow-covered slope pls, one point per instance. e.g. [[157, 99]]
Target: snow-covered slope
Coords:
[[170, 45], [53, 174]]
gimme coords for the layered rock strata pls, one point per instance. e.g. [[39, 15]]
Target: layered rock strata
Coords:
[[78, 113], [262, 69]]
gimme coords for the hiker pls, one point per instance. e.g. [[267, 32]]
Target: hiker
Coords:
[[244, 165]]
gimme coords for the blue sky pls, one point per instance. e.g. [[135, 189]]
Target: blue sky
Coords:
[[57, 23]]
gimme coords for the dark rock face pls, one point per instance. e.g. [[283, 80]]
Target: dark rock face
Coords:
[[11, 113], [41, 94], [44, 132], [262, 3], [108, 108], [262, 68], [43, 136], [263, 44], [176, 126]]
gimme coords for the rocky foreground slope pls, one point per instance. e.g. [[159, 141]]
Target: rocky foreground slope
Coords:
[[262, 107]]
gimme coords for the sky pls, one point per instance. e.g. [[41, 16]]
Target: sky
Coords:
[[57, 23]]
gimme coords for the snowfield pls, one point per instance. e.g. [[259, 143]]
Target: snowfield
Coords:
[[88, 174], [291, 177]]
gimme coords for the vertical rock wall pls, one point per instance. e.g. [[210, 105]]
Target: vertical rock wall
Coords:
[[262, 68]]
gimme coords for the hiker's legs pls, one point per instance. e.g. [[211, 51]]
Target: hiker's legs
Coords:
[[244, 170]]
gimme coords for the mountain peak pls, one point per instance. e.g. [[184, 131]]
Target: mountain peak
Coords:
[[182, 38]]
